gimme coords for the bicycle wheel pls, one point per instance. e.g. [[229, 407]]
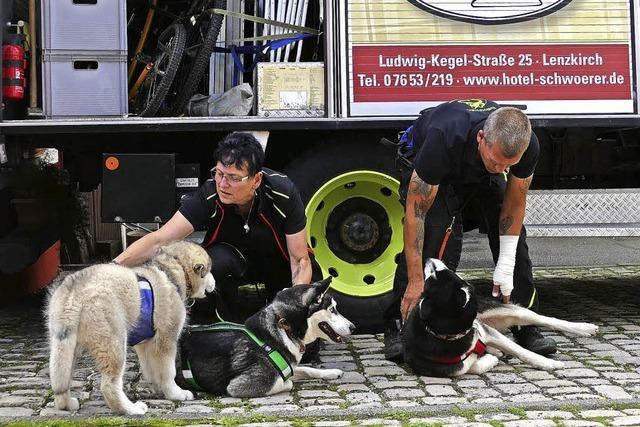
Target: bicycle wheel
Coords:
[[206, 28], [167, 59]]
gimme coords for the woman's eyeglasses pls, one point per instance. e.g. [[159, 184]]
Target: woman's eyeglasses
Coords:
[[231, 179]]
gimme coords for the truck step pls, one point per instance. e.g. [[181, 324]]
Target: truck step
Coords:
[[573, 213]]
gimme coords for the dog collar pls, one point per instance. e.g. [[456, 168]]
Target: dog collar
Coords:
[[452, 337], [144, 328], [479, 348], [301, 346], [281, 364]]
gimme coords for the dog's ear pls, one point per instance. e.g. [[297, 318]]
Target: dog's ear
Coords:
[[200, 269], [463, 296], [424, 308], [432, 266], [282, 323], [316, 291], [323, 285]]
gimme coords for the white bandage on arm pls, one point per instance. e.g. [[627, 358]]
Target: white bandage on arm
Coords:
[[503, 274]]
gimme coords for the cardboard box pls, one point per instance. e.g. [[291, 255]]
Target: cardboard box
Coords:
[[287, 89]]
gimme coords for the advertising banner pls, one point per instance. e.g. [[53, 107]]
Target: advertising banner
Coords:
[[554, 57]]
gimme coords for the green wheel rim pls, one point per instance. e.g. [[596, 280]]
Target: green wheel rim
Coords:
[[367, 279]]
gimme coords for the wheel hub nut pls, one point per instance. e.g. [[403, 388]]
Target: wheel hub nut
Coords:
[[359, 232]]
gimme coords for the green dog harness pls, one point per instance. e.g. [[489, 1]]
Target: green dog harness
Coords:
[[277, 359]]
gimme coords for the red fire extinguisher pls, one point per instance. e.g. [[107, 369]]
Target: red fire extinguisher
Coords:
[[13, 67]]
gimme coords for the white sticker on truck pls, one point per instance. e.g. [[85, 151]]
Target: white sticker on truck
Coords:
[[186, 182]]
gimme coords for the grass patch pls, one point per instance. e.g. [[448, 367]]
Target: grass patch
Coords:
[[469, 414], [574, 409], [152, 422], [517, 411], [608, 359], [601, 420], [99, 422], [48, 396], [398, 415], [231, 421], [214, 402], [623, 406], [344, 405]]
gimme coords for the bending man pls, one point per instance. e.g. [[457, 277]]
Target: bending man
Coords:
[[473, 164]]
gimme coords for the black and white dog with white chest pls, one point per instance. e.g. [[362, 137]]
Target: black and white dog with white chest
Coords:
[[452, 331], [262, 356]]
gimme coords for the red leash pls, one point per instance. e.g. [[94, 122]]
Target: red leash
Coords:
[[445, 239]]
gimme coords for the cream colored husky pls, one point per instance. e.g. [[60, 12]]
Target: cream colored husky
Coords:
[[98, 309]]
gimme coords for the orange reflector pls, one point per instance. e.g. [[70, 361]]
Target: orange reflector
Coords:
[[112, 163]]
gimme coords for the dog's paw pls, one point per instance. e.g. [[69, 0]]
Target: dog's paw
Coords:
[[484, 364], [177, 393], [63, 402], [73, 404], [552, 365], [331, 374], [138, 408], [586, 329]]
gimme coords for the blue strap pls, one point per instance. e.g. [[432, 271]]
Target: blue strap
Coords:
[[406, 139], [256, 50], [144, 326]]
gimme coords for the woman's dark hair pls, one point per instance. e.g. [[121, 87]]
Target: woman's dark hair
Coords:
[[239, 149]]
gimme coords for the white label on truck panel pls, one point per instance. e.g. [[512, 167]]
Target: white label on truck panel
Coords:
[[3, 153], [186, 182]]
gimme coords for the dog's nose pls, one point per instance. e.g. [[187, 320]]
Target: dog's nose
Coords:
[[352, 328]]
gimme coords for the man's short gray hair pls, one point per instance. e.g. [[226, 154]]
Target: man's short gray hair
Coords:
[[511, 128]]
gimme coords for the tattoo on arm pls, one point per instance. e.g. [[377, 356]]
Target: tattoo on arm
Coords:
[[505, 224], [424, 195], [418, 242], [294, 274]]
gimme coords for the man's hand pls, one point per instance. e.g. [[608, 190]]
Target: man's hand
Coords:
[[497, 294], [503, 274], [410, 298]]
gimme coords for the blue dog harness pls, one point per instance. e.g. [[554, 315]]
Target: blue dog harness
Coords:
[[143, 329]]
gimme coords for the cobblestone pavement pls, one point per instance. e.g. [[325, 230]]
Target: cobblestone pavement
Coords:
[[600, 384]]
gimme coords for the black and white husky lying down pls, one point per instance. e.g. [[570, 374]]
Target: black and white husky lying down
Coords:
[[262, 359], [452, 331]]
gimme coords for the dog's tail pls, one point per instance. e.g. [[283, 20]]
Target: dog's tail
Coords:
[[63, 320]]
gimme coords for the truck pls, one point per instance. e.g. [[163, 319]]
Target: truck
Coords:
[[571, 65]]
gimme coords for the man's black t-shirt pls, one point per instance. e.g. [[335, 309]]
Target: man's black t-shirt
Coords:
[[277, 211], [445, 138]]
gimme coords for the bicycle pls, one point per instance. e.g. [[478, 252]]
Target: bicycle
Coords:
[[151, 88], [201, 41], [156, 88]]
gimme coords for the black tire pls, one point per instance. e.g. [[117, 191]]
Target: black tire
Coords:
[[311, 171], [366, 313], [210, 25], [167, 60]]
